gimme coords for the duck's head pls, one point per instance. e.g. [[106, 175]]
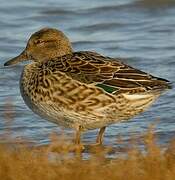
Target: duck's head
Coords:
[[43, 45]]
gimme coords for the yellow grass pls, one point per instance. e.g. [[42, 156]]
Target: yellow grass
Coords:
[[19, 162], [55, 162]]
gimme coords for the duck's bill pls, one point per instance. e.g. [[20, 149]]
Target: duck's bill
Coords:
[[22, 57]]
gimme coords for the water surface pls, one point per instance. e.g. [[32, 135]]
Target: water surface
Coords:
[[141, 32]]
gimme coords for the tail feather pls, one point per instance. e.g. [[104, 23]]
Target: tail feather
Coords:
[[162, 84], [141, 101]]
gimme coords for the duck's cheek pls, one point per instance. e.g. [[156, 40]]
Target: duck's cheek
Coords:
[[50, 46]]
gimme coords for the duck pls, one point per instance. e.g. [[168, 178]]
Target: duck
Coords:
[[82, 90]]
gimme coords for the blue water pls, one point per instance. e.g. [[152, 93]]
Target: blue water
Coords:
[[141, 32]]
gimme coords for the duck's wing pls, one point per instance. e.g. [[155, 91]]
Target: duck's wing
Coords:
[[110, 74]]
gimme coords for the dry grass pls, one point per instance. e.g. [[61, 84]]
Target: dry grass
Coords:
[[21, 162]]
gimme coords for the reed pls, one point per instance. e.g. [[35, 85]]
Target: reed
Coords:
[[22, 162]]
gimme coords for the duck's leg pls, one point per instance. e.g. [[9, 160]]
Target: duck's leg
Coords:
[[78, 136], [78, 146], [99, 139]]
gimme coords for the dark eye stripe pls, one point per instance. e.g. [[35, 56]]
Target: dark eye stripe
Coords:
[[38, 41], [43, 41], [49, 41]]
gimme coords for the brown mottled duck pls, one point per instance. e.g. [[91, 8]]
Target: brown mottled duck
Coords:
[[82, 90]]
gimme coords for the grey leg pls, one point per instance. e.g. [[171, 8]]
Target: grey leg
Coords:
[[78, 148], [78, 136], [99, 139]]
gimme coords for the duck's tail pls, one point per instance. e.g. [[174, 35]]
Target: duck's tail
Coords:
[[142, 100]]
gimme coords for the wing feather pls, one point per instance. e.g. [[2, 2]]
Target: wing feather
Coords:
[[91, 67]]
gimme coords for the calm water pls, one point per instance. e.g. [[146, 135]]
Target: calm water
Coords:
[[142, 32]]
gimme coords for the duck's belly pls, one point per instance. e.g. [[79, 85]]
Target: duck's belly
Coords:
[[66, 118], [45, 111], [87, 120]]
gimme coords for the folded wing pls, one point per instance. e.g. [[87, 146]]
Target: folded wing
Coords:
[[109, 74]]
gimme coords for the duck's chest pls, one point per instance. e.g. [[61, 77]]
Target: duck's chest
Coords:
[[28, 86], [29, 82], [48, 95], [35, 90]]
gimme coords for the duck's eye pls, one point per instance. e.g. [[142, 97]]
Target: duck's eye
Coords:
[[38, 41]]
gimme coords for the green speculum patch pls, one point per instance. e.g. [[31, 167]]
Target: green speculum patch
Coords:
[[107, 88]]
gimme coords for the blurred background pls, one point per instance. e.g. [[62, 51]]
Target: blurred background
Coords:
[[142, 32]]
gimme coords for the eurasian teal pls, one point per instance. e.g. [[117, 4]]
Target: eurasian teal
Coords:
[[82, 90]]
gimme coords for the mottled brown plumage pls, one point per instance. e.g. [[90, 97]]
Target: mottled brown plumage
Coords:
[[82, 90]]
